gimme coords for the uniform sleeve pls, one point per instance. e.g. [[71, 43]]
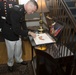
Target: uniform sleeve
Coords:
[[16, 26]]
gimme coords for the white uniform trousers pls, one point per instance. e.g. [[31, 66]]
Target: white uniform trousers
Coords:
[[14, 50]]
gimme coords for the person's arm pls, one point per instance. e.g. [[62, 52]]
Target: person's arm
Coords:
[[24, 27]]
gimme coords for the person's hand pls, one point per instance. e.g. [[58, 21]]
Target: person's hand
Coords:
[[32, 34]]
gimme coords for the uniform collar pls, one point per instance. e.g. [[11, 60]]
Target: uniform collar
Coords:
[[22, 6], [24, 10]]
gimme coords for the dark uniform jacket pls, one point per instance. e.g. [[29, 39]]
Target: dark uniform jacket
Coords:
[[15, 25]]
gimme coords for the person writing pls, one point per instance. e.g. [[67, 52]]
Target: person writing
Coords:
[[15, 28]]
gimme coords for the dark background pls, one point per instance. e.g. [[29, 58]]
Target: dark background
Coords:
[[4, 9]]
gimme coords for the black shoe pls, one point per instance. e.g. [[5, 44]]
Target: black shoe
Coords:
[[10, 68], [23, 63]]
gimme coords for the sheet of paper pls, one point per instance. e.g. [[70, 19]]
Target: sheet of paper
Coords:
[[43, 39]]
